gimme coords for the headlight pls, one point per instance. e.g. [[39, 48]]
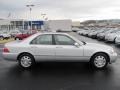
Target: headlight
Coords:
[[111, 51]]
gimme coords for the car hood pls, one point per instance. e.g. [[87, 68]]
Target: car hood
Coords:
[[113, 35]]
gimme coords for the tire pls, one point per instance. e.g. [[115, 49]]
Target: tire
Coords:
[[96, 63], [17, 38], [26, 60]]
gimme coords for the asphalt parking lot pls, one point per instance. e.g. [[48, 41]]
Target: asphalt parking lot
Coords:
[[60, 76]]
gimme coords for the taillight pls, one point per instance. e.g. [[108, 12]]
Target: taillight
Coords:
[[6, 50]]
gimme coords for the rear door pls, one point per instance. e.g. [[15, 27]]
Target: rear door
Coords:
[[43, 47]]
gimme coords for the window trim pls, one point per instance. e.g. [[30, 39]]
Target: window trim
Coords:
[[42, 44]]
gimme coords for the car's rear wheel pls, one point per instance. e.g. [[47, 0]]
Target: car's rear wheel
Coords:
[[26, 60], [99, 60], [17, 38]]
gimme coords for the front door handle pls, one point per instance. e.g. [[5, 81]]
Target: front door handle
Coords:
[[58, 47]]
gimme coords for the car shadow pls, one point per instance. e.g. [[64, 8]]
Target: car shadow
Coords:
[[117, 45], [108, 42], [57, 69]]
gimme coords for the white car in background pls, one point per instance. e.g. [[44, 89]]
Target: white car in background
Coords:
[[80, 32], [94, 34], [112, 36], [75, 29], [14, 33], [90, 33], [58, 47], [117, 40], [101, 36], [5, 35]]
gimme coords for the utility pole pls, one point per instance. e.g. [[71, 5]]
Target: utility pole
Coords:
[[30, 8], [9, 26]]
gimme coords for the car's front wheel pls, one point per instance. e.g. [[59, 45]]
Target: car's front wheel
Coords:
[[26, 60], [99, 60]]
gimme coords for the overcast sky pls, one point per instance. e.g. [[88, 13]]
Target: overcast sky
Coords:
[[78, 10]]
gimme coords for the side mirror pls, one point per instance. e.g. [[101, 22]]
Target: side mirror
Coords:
[[76, 44], [83, 42]]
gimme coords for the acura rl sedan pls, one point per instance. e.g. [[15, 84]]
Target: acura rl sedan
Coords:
[[58, 47]]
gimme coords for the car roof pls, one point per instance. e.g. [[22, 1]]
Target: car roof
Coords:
[[42, 33], [53, 33]]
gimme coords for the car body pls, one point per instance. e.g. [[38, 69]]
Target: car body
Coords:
[[80, 32], [101, 36], [90, 33], [94, 34], [57, 47], [5, 35], [21, 36], [14, 33], [75, 29], [24, 34], [111, 36], [117, 40], [85, 33]]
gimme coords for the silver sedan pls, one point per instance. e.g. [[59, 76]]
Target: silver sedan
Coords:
[[58, 47]]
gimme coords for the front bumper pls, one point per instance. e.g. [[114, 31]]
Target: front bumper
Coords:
[[109, 39], [113, 57], [94, 36], [117, 41], [101, 37]]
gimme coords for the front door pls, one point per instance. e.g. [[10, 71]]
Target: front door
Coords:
[[65, 48]]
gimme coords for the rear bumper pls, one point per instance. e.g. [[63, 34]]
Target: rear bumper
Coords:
[[94, 36], [10, 56], [109, 39]]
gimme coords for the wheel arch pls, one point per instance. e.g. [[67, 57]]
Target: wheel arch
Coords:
[[98, 53], [23, 54]]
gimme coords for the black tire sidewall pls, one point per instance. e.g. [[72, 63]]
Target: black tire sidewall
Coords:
[[32, 60], [99, 54]]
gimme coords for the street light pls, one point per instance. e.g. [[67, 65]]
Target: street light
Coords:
[[30, 8]]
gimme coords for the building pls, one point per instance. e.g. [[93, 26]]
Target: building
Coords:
[[27, 24], [20, 24], [4, 24], [76, 24], [50, 25]]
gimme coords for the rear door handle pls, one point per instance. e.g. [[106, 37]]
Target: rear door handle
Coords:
[[33, 47]]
